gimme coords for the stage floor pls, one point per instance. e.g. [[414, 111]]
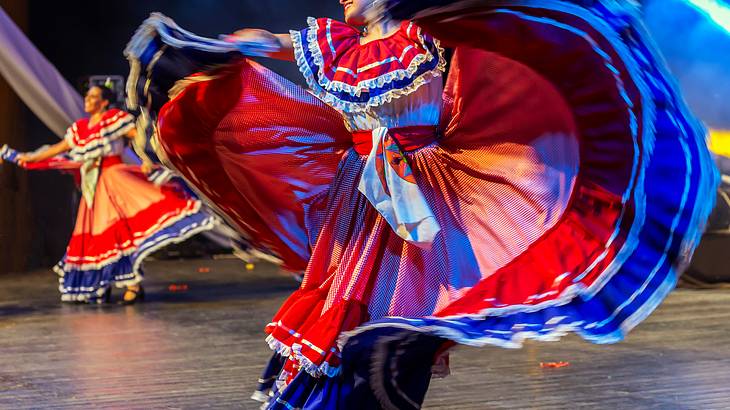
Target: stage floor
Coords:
[[204, 348]]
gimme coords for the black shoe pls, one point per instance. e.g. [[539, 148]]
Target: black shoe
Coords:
[[107, 297]]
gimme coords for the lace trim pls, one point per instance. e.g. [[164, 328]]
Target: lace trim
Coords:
[[378, 82], [323, 87], [295, 352], [278, 347], [310, 367], [101, 143]]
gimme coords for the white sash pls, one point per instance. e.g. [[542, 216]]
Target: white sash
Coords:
[[387, 182]]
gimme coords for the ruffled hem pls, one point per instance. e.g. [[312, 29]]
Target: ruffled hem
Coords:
[[324, 369], [158, 34], [294, 352], [297, 352], [108, 247], [126, 270], [311, 341], [414, 76]]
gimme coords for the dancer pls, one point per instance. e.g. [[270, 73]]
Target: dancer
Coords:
[[122, 216], [534, 193]]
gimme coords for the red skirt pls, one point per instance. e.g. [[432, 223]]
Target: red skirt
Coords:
[[129, 219], [570, 182], [293, 188]]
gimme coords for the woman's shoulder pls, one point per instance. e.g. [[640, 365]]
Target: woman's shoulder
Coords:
[[114, 123], [351, 76], [339, 38], [335, 29], [81, 123], [113, 115]]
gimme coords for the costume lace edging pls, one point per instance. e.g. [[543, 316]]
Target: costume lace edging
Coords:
[[323, 87]]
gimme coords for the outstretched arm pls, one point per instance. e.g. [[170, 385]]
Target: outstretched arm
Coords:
[[262, 43], [50, 152], [138, 146]]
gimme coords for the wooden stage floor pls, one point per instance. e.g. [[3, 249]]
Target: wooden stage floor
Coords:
[[204, 348]]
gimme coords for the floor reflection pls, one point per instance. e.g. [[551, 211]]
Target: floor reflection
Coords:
[[115, 352]]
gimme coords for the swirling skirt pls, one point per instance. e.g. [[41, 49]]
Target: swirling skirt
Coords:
[[570, 181], [129, 219]]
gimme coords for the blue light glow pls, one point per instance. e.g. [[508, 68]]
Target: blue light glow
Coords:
[[718, 11]]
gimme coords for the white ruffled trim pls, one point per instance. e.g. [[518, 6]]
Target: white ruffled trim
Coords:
[[518, 338], [277, 346], [315, 370], [322, 87], [69, 136], [135, 275], [295, 353], [107, 139]]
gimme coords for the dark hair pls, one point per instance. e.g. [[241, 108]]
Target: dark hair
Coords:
[[107, 94]]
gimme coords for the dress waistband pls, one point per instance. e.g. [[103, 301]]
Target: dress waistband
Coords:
[[111, 160], [408, 138]]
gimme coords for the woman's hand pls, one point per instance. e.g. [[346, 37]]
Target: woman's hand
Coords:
[[27, 158], [261, 43], [44, 154], [147, 167], [254, 36]]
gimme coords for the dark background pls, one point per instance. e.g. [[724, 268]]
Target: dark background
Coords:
[[87, 37], [82, 38]]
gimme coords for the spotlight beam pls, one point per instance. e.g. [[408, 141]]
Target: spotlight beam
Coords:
[[718, 11]]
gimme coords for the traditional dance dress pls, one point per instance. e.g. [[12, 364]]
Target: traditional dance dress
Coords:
[[555, 182], [122, 216]]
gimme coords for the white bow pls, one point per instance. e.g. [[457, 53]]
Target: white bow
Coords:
[[398, 200]]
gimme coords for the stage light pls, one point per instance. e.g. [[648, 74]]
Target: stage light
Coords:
[[718, 11], [719, 142]]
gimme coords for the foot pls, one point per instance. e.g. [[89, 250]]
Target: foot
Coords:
[[440, 368], [260, 396], [132, 294]]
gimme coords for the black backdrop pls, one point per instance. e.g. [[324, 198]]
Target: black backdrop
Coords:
[[87, 37]]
